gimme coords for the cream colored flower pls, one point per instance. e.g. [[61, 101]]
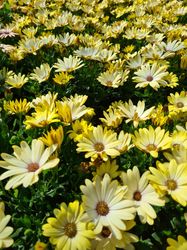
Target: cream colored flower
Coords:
[[27, 163], [104, 203], [68, 64], [5, 231], [142, 193], [42, 73]]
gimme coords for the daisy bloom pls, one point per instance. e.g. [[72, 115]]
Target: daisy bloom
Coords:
[[124, 142], [159, 117], [180, 244], [62, 78], [108, 167], [5, 231], [79, 129], [135, 113], [68, 64], [99, 143], [177, 102], [67, 230], [179, 154], [179, 138], [112, 118], [142, 193], [106, 240], [16, 81], [27, 163], [151, 140], [170, 178], [54, 136], [152, 75], [42, 73], [17, 106], [7, 32], [104, 203]]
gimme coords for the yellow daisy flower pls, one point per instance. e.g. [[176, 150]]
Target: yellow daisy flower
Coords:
[[179, 154], [40, 246], [179, 138], [152, 75], [180, 244], [104, 203], [62, 78], [68, 229], [108, 167], [142, 193], [135, 113], [124, 142], [27, 163], [5, 231], [16, 81], [68, 64], [159, 116], [79, 130], [170, 178], [151, 140], [42, 73], [177, 102], [54, 136], [15, 107], [99, 143], [112, 118]]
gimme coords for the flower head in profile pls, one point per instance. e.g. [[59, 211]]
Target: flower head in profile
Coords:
[[80, 128], [170, 178], [112, 118], [99, 143], [142, 193], [17, 106], [5, 231], [68, 64], [27, 163], [152, 75], [16, 81], [104, 203], [68, 230], [151, 140], [179, 244], [42, 73], [135, 113]]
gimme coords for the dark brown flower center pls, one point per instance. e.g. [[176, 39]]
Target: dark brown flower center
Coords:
[[137, 196], [70, 230], [105, 232], [171, 184], [151, 147], [180, 105], [149, 78], [99, 147], [102, 208], [32, 167]]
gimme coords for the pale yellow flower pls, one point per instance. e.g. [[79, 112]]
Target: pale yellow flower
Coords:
[[42, 73]]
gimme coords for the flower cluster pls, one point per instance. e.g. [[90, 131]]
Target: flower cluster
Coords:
[[94, 105]]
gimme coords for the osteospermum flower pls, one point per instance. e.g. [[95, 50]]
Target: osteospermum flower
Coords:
[[152, 75], [67, 230], [142, 193], [16, 81], [42, 73], [180, 244], [108, 167], [177, 102], [151, 140], [179, 154], [99, 143], [104, 203], [112, 118], [170, 178], [40, 246], [15, 107], [68, 64], [135, 113], [79, 129], [5, 231], [27, 163], [106, 240]]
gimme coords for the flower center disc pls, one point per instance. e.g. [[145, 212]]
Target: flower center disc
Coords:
[[171, 184], [99, 147], [70, 230], [32, 167], [151, 147], [102, 208], [180, 105], [105, 232], [137, 196], [149, 78]]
